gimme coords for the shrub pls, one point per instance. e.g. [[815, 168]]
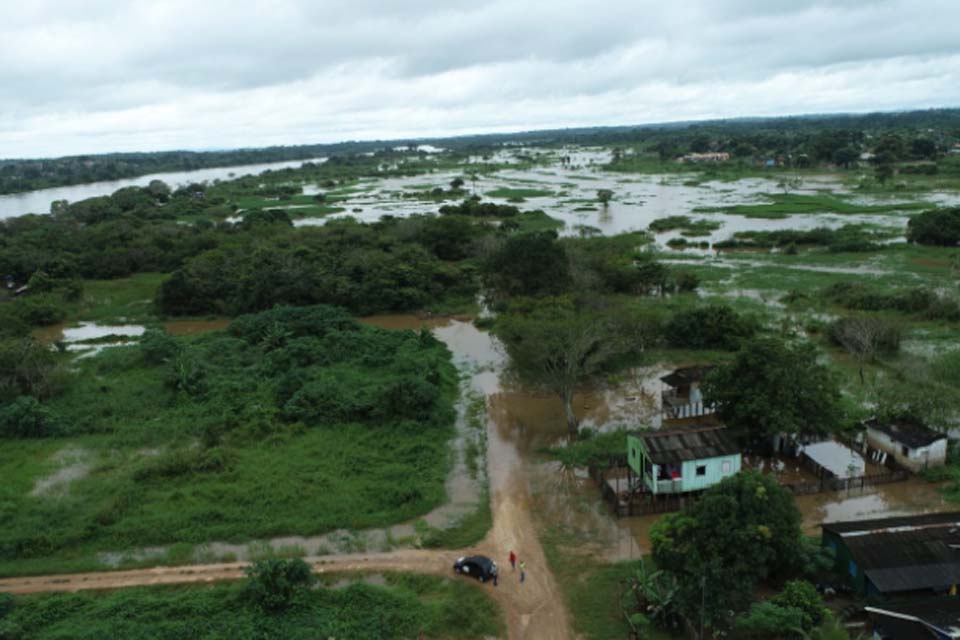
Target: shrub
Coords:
[[275, 584], [157, 346], [939, 227], [25, 417]]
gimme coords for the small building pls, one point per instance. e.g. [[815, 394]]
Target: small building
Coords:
[[902, 556], [832, 459], [912, 446], [681, 397], [712, 156], [937, 619], [683, 459]]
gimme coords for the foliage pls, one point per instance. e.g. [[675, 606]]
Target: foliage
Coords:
[[715, 326], [274, 584], [556, 346], [772, 387], [157, 346], [406, 607], [921, 301], [864, 336], [25, 417], [770, 620], [598, 449], [27, 368], [702, 546], [247, 448], [528, 265], [936, 227]]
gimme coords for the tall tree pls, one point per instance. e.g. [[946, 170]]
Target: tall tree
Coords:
[[772, 387], [556, 347]]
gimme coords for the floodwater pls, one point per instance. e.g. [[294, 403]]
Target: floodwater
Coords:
[[39, 201], [639, 199], [86, 331]]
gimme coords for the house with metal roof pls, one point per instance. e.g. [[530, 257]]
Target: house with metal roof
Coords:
[[937, 619], [911, 445], [683, 459], [907, 555]]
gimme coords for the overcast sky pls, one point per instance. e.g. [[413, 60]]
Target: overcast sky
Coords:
[[88, 76]]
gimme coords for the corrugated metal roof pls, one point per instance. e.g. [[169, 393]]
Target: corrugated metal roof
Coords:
[[942, 614], [912, 435], [861, 526], [905, 554], [687, 443]]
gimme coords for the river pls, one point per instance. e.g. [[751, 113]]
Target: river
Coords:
[[39, 201]]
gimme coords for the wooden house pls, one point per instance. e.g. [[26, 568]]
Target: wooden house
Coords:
[[681, 396], [677, 460]]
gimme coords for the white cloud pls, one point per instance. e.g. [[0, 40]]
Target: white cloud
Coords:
[[102, 75]]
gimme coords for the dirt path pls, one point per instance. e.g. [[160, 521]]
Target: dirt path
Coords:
[[534, 609]]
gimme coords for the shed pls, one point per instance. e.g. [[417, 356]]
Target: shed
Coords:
[[683, 459], [913, 446], [937, 619], [902, 555]]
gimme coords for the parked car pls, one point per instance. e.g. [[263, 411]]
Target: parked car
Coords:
[[480, 567]]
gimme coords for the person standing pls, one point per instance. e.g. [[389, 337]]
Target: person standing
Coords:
[[513, 560], [523, 571]]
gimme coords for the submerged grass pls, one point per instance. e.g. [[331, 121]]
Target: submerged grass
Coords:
[[785, 205]]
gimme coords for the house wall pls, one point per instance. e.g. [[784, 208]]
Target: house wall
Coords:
[[933, 455], [716, 469], [635, 454], [844, 562]]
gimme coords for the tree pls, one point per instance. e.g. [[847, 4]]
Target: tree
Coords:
[[713, 327], [940, 227], [275, 584], [604, 196], [556, 347], [528, 264], [456, 183], [863, 336], [772, 387], [703, 546], [27, 368]]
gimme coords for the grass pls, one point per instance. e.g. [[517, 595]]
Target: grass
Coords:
[[784, 205], [168, 467], [508, 192], [121, 300], [406, 606], [531, 221], [592, 588]]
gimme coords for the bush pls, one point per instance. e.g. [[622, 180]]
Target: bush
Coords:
[[25, 417], [939, 227], [275, 584], [157, 346], [711, 327]]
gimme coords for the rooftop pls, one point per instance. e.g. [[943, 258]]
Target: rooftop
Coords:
[[693, 442], [687, 375], [905, 554], [942, 614], [912, 435]]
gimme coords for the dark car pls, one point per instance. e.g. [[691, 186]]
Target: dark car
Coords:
[[480, 567]]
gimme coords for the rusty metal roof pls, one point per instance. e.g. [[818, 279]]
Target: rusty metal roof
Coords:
[[695, 442], [912, 435]]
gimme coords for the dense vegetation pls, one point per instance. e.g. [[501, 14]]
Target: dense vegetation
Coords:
[[232, 436], [406, 607]]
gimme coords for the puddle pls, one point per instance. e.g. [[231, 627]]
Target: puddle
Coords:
[[73, 463], [86, 331]]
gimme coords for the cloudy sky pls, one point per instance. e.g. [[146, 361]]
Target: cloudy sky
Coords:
[[85, 76]]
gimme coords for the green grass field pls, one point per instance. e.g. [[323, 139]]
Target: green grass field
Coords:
[[404, 606]]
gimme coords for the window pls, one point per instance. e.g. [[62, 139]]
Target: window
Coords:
[[905, 451], [726, 467], [701, 470]]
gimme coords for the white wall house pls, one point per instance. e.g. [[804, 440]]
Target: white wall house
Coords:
[[912, 446]]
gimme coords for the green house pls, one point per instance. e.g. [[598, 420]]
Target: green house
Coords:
[[682, 459]]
